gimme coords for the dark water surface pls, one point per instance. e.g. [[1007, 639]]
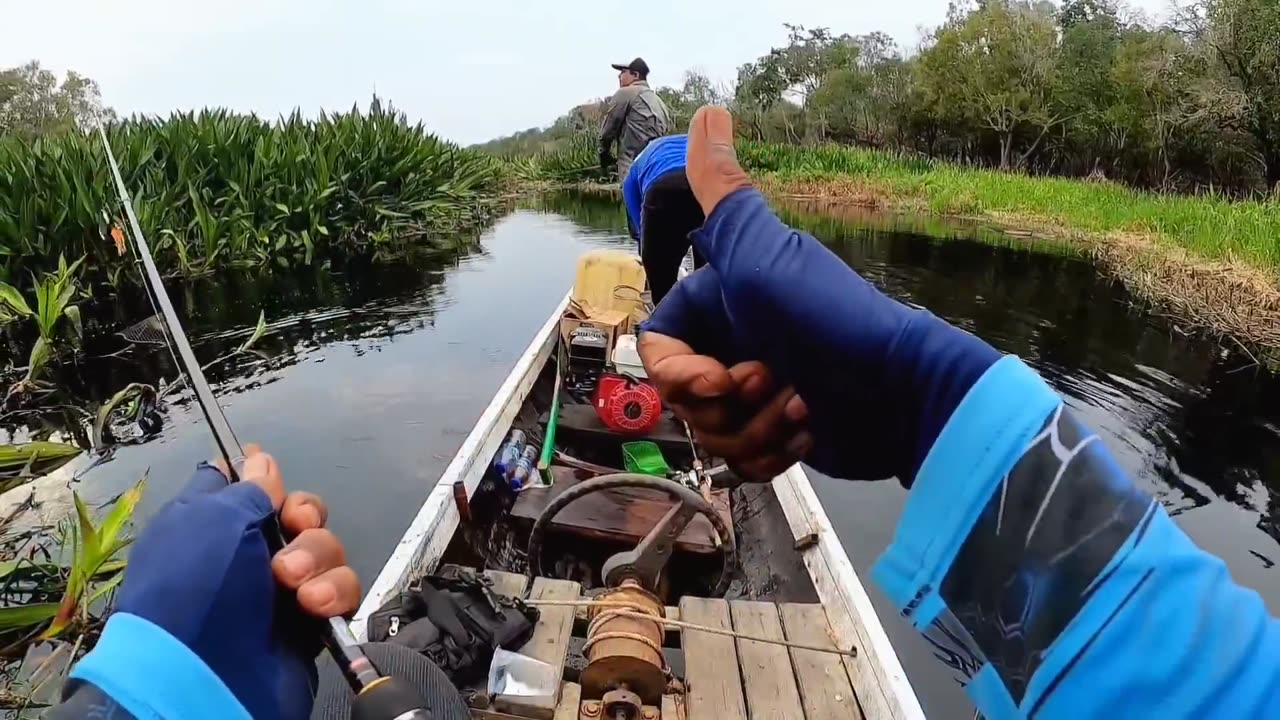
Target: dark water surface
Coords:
[[377, 376]]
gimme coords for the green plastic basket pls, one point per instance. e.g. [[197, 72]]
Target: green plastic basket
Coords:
[[644, 457]]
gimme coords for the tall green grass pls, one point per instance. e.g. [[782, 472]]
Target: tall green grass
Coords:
[[215, 188], [1210, 226], [571, 160]]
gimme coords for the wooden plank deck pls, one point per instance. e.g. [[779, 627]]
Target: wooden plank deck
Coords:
[[550, 644], [725, 678], [770, 692], [824, 683], [714, 685]]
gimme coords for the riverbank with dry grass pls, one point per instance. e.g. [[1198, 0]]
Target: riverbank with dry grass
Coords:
[[1209, 263], [1185, 264]]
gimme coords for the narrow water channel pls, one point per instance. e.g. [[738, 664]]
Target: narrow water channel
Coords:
[[376, 375]]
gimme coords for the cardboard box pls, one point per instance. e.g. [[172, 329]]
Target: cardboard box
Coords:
[[609, 324]]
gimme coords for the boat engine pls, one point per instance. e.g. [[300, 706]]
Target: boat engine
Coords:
[[627, 405]]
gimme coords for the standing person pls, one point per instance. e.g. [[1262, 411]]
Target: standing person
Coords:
[[635, 117], [662, 211]]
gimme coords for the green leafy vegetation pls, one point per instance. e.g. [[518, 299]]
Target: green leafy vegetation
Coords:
[[55, 318], [1085, 89], [55, 586], [23, 461], [1005, 108], [1211, 226], [33, 103], [216, 189], [573, 159]]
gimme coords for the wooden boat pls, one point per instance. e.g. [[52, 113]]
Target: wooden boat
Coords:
[[791, 579]]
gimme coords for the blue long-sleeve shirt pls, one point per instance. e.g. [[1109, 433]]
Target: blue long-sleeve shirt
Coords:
[[1055, 588], [659, 157], [1050, 583]]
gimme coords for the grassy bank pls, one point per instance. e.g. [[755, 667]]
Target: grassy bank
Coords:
[[216, 188], [1210, 227], [1205, 260]]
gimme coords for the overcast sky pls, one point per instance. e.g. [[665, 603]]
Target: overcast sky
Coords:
[[469, 69]]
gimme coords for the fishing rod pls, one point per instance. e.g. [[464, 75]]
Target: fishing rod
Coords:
[[377, 696]]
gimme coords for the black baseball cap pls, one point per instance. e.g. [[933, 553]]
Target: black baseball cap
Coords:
[[637, 66]]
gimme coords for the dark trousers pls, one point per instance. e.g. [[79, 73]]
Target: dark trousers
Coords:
[[669, 213]]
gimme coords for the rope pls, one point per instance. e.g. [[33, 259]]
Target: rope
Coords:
[[630, 609], [630, 612]]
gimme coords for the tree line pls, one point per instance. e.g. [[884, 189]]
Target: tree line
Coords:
[[33, 103], [1085, 88]]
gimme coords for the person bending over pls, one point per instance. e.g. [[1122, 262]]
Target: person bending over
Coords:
[[662, 211], [1024, 554]]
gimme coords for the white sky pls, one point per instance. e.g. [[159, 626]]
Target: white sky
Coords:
[[470, 69]]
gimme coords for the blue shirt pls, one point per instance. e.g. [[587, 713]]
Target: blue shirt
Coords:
[[659, 157], [1050, 584]]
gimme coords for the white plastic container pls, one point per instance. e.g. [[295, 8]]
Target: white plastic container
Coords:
[[625, 357]]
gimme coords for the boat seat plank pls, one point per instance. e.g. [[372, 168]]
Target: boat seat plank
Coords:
[[570, 700], [509, 584], [769, 693], [623, 516], [825, 689], [672, 707], [803, 532], [580, 422], [711, 668], [550, 644]]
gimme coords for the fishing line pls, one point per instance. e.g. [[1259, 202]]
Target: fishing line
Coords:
[[377, 696]]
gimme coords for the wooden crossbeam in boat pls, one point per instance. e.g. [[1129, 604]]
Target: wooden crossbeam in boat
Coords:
[[622, 515], [770, 694], [550, 644], [714, 684], [803, 531], [581, 422], [509, 584], [570, 700], [824, 684], [673, 707]]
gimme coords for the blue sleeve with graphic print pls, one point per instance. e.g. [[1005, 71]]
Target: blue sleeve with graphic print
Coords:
[[1055, 587]]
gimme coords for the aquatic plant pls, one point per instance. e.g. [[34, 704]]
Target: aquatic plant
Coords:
[[569, 160], [56, 319], [22, 461], [57, 594], [216, 188]]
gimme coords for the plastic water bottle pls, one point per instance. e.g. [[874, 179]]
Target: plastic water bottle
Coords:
[[524, 467], [506, 459]]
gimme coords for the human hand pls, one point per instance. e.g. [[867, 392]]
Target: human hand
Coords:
[[876, 380], [201, 570], [738, 412]]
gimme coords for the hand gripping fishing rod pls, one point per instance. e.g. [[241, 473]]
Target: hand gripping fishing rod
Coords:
[[378, 697]]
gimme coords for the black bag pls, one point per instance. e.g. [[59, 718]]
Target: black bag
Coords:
[[457, 621]]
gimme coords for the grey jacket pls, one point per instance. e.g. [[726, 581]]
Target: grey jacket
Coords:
[[636, 116]]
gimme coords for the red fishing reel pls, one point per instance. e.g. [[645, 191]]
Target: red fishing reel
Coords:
[[627, 405]]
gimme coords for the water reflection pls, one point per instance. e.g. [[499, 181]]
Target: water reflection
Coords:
[[1195, 424]]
